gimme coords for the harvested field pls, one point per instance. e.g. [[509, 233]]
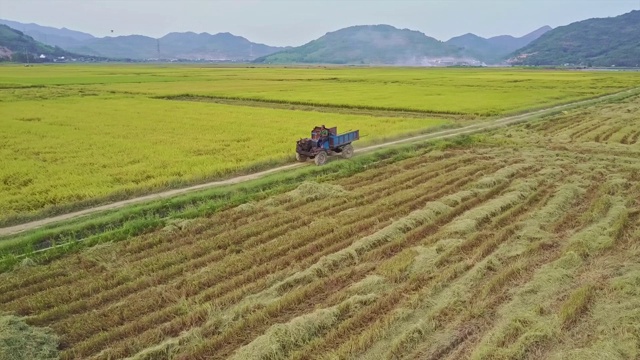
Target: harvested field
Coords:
[[520, 244]]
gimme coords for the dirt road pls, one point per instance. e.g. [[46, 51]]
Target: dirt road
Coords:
[[480, 126]]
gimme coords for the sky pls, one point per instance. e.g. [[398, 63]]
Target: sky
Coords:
[[296, 22]]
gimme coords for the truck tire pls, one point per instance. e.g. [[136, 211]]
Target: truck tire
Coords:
[[301, 158], [321, 158], [347, 151]]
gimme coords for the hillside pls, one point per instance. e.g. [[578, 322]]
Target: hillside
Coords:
[[513, 43], [595, 42], [221, 46], [130, 47], [495, 49], [190, 46], [63, 38], [371, 44], [18, 47]]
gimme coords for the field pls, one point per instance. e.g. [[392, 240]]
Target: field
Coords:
[[521, 243], [446, 91], [76, 136]]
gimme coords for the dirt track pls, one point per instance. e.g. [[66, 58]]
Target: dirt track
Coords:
[[481, 126]]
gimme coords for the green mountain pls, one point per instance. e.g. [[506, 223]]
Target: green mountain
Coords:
[[121, 47], [63, 38], [494, 50], [16, 46], [595, 42], [371, 44], [221, 46], [190, 46]]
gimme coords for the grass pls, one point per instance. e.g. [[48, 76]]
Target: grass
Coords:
[[576, 305], [19, 341], [281, 339]]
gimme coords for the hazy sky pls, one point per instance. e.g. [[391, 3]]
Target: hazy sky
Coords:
[[295, 22]]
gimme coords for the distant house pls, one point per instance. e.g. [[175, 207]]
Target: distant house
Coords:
[[43, 56]]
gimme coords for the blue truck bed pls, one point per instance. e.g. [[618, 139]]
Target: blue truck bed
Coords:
[[343, 139]]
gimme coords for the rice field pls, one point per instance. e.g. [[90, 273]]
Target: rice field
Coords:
[[477, 92], [70, 150], [522, 244], [76, 136]]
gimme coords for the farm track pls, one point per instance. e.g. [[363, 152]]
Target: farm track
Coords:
[[480, 126]]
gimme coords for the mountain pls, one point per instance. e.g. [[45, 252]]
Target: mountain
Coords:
[[121, 47], [221, 46], [63, 38], [479, 48], [371, 44], [189, 45], [496, 49], [512, 44], [611, 41], [16, 46]]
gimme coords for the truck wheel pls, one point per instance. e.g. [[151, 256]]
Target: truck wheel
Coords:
[[347, 151], [301, 158], [321, 158]]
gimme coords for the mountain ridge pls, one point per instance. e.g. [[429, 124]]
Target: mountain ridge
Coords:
[[611, 41], [19, 47], [204, 46], [497, 48], [141, 47], [369, 44]]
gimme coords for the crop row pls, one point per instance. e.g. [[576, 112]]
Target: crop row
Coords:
[[69, 307], [336, 262], [612, 123], [217, 236], [250, 275], [145, 317]]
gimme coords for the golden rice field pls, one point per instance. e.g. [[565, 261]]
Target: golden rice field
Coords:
[[75, 136], [456, 91], [68, 150], [522, 245]]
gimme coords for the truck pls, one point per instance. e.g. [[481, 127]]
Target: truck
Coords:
[[325, 142]]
